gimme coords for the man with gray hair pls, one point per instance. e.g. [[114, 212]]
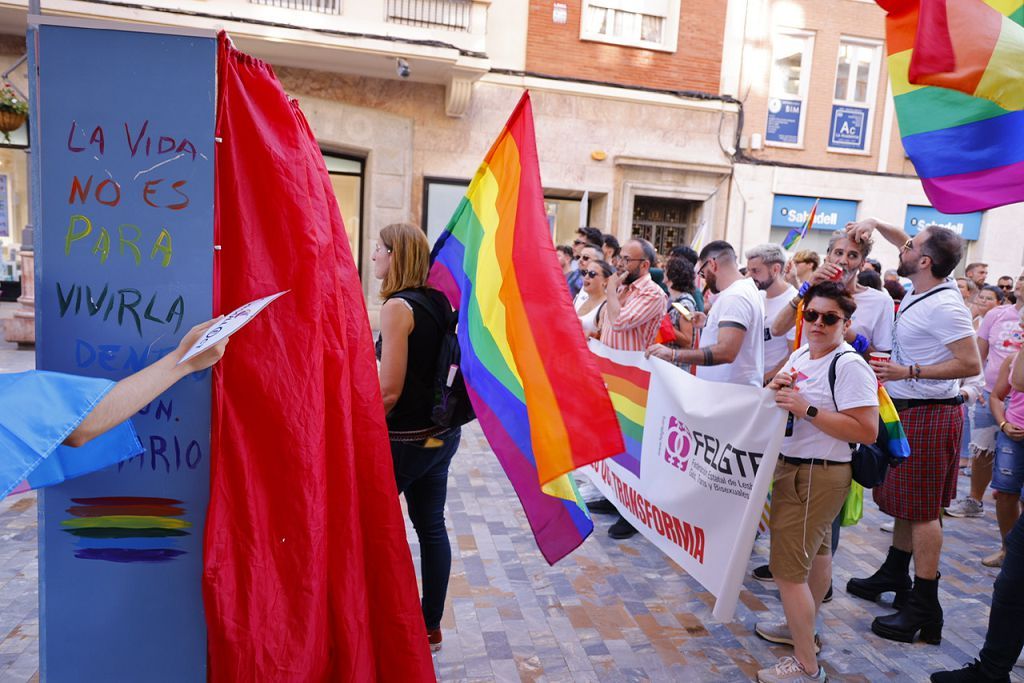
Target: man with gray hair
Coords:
[[765, 264]]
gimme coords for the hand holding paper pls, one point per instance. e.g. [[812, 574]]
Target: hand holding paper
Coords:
[[228, 325]]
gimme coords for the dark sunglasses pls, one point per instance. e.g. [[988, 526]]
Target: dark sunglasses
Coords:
[[829, 319], [589, 273], [1006, 288]]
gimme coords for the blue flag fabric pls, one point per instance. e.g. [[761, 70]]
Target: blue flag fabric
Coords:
[[38, 410]]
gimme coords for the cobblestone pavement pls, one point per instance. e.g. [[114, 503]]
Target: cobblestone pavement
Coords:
[[612, 611]]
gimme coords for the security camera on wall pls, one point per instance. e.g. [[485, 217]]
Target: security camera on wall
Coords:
[[402, 68]]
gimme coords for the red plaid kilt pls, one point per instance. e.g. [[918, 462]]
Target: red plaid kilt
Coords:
[[918, 489]]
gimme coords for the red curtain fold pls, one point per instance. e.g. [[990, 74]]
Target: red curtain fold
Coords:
[[308, 575]]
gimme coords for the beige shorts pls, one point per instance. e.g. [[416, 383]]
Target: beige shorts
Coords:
[[805, 501]]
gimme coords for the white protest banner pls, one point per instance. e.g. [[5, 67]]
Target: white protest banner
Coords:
[[707, 460], [231, 323]]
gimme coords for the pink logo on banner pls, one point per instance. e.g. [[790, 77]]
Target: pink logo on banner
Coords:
[[678, 444]]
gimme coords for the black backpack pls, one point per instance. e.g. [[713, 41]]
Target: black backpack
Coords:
[[452, 407], [870, 462]]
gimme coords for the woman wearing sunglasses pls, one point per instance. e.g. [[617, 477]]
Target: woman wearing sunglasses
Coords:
[[595, 276], [812, 478]]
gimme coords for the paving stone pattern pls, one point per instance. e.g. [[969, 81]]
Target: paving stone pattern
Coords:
[[612, 611]]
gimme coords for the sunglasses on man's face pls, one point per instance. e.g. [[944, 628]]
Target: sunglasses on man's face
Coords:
[[829, 319]]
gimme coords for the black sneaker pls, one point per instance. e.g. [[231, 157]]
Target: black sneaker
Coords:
[[622, 530], [763, 573], [828, 596], [602, 507]]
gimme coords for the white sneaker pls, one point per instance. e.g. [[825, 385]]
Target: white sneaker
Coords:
[[887, 526], [778, 632], [965, 507], [789, 670]]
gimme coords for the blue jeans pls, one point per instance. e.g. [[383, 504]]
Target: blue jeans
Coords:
[[1008, 467], [1005, 637], [422, 475]]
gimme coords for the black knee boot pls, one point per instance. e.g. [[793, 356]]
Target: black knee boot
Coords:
[[893, 575], [922, 613]]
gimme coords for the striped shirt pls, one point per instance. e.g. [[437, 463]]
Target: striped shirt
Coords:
[[643, 307]]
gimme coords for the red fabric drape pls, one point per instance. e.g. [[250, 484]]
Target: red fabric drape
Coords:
[[308, 575]]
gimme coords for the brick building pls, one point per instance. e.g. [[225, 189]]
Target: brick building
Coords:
[[819, 122]]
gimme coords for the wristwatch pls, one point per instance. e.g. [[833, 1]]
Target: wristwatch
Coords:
[[811, 413]]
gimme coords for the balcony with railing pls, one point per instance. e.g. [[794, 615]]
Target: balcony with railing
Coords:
[[451, 15], [401, 26], [431, 41]]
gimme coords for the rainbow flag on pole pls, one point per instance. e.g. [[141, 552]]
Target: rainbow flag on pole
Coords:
[[534, 385], [967, 150], [797, 234]]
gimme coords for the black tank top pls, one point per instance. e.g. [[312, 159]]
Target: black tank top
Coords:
[[412, 411]]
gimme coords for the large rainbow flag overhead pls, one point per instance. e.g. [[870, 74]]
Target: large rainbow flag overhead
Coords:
[[534, 385], [967, 150], [968, 45]]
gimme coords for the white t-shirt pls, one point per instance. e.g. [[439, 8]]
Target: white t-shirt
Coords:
[[856, 387], [920, 335], [776, 349], [740, 303], [873, 317]]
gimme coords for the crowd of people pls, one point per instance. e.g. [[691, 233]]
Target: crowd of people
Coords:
[[823, 334]]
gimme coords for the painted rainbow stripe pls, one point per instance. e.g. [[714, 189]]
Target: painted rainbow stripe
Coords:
[[968, 151], [523, 353], [126, 529], [627, 387]]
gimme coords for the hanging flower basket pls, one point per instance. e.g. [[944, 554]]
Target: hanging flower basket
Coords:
[[11, 120], [13, 111]]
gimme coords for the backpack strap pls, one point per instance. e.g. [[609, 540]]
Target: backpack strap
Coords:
[[832, 382], [832, 375], [425, 302]]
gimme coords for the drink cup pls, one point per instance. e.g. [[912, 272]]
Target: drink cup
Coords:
[[879, 356], [838, 276]]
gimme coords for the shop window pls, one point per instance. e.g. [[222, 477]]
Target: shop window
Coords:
[[651, 24], [853, 101], [346, 175], [789, 85]]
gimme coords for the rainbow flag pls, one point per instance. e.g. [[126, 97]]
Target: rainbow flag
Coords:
[[627, 387], [534, 385], [968, 45], [968, 151], [797, 234], [890, 417]]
